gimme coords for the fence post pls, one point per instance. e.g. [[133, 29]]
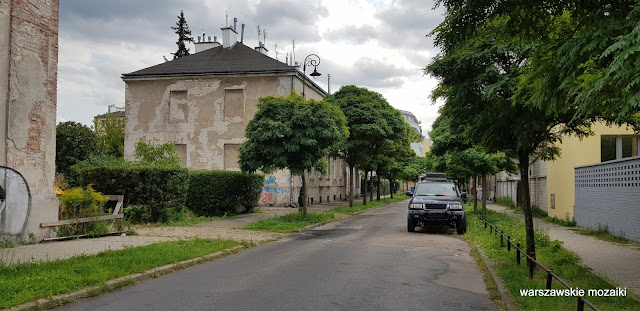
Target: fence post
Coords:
[[496, 231], [501, 237], [518, 253], [508, 243], [490, 229], [580, 303], [531, 264], [549, 278], [485, 223]]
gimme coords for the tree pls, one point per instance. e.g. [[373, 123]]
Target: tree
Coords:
[[184, 35], [111, 137], [161, 155], [373, 125], [396, 156], [74, 143], [292, 133], [479, 71]]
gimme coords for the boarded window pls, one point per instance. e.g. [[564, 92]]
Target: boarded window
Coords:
[[178, 106], [182, 152], [231, 157], [233, 103]]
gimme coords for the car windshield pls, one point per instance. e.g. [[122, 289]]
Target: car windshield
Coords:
[[436, 189]]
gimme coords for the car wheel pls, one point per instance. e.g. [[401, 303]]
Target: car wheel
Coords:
[[411, 227], [461, 227]]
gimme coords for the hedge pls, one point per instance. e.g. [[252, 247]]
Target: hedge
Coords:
[[158, 188], [216, 193]]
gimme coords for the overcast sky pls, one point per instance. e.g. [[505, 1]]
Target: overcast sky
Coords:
[[377, 44]]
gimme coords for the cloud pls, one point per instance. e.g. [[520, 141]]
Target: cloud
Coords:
[[351, 34], [405, 24], [366, 72]]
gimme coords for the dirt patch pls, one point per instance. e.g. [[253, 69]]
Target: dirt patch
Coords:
[[207, 232]]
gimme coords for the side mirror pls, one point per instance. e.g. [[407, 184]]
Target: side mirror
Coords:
[[409, 193], [463, 195]]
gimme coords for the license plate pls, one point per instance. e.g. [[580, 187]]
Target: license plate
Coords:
[[437, 215]]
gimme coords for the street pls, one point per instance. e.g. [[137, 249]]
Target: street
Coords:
[[366, 262]]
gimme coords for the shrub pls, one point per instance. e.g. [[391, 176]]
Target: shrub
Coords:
[[79, 203], [216, 193], [159, 188]]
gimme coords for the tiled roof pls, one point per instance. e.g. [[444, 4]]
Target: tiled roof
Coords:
[[239, 59]]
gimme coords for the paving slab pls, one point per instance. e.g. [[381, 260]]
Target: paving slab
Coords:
[[618, 262]]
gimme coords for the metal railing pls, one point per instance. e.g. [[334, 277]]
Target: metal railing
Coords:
[[532, 263]]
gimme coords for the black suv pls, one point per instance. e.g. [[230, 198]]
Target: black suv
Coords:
[[437, 202]]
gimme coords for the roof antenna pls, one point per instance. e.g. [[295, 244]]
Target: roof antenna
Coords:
[[277, 52], [264, 36], [226, 18], [259, 34], [293, 53], [242, 34]]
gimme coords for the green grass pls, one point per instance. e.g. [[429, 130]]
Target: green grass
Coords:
[[26, 282], [552, 255], [605, 235], [6, 244], [295, 222], [185, 218]]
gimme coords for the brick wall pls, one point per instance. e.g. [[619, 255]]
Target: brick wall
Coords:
[[608, 196]]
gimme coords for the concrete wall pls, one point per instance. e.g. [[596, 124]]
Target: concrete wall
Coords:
[[608, 196], [207, 117], [28, 89]]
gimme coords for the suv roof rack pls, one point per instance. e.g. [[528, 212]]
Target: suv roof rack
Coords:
[[434, 177]]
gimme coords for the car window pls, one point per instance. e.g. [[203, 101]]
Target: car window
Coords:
[[436, 189]]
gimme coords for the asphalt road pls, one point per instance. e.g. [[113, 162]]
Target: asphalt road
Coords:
[[367, 262]]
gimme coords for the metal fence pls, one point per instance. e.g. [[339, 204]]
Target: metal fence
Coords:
[[532, 263]]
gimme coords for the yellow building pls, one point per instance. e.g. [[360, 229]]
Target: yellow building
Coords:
[[552, 183]]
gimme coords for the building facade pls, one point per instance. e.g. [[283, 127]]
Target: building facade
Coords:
[[203, 103], [410, 118]]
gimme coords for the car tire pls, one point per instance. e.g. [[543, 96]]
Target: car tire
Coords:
[[411, 227], [461, 227]]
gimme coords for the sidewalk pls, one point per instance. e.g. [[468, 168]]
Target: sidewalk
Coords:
[[620, 263], [221, 228]]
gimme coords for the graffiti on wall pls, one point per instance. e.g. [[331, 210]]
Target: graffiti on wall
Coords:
[[270, 188], [15, 202]]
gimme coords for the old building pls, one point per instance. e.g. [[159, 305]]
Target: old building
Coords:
[[28, 88], [114, 114], [203, 103], [417, 147]]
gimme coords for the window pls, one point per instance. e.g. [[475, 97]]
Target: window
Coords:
[[233, 103], [231, 157], [178, 106], [182, 152], [619, 147]]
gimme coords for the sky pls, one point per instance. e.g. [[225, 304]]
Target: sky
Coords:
[[377, 44]]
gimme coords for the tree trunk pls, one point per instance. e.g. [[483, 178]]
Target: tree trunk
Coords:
[[473, 181], [304, 195], [391, 187], [523, 157], [351, 169], [371, 183], [377, 187], [475, 194], [364, 189], [484, 195]]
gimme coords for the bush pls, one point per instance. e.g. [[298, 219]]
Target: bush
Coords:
[[159, 188], [216, 193], [80, 203]]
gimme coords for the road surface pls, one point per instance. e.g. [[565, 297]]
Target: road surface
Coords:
[[366, 262]]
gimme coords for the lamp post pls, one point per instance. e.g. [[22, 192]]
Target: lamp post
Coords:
[[311, 60]]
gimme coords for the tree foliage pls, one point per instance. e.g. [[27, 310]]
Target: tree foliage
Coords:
[[74, 143], [292, 133], [111, 137], [166, 154], [184, 35]]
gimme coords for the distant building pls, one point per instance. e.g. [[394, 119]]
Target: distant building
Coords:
[[415, 124], [426, 145], [113, 113], [203, 102]]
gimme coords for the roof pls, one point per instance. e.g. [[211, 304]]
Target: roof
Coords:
[[115, 114], [236, 60]]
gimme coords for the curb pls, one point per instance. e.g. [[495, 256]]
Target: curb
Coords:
[[117, 283], [507, 298]]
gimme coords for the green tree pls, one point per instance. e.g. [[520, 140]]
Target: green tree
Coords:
[[373, 125], [292, 133], [111, 137], [396, 156], [479, 70], [184, 35], [161, 155], [74, 143]]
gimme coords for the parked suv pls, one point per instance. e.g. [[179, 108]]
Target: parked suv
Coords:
[[437, 202]]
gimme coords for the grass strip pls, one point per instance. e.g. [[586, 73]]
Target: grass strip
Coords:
[[26, 282], [552, 255], [294, 222]]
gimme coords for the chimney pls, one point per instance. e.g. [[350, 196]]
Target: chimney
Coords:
[[242, 34], [229, 37], [204, 44], [260, 48]]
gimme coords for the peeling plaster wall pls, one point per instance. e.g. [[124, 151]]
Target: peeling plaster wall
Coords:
[[28, 74], [191, 112]]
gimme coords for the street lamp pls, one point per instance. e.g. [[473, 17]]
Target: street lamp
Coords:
[[311, 60]]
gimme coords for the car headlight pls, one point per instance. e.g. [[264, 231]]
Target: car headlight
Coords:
[[416, 206], [454, 206]]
